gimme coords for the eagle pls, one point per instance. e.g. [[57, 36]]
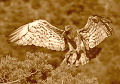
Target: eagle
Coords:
[[82, 43]]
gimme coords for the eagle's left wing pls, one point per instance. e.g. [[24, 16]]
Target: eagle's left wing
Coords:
[[95, 31]]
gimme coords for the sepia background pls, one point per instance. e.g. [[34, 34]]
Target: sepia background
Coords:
[[15, 13]]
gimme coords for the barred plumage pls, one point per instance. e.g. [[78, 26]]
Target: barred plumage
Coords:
[[39, 33], [43, 34], [95, 31]]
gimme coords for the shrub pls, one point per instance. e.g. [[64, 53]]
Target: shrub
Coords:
[[36, 69]]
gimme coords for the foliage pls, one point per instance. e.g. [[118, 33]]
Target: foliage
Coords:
[[36, 69]]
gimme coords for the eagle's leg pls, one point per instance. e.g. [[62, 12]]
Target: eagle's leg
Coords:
[[83, 59], [70, 56], [83, 55], [81, 50]]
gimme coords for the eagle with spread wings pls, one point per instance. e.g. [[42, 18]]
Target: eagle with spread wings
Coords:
[[43, 34]]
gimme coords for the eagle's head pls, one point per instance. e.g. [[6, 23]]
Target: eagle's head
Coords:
[[93, 18], [67, 28]]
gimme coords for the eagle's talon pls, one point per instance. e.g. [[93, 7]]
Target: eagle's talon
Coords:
[[83, 59]]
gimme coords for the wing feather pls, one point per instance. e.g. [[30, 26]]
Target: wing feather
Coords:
[[39, 33], [95, 31]]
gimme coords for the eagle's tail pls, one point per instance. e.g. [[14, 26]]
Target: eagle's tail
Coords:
[[93, 52]]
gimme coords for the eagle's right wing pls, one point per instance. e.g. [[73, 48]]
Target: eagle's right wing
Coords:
[[39, 33]]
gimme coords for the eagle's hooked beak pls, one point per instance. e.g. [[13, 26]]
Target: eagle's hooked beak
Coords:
[[67, 28]]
